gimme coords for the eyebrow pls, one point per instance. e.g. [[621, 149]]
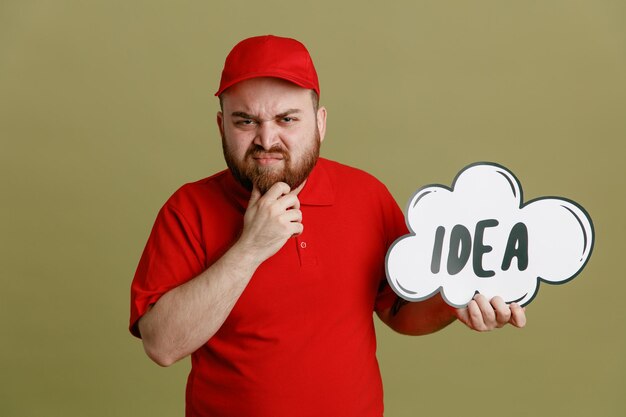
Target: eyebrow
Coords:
[[245, 115]]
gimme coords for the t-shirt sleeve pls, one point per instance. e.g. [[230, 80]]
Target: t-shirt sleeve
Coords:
[[394, 227], [173, 255]]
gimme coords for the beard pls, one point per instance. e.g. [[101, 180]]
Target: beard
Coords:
[[293, 173]]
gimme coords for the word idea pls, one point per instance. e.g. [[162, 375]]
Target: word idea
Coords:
[[479, 236]]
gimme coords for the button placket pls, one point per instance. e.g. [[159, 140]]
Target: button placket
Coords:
[[304, 252]]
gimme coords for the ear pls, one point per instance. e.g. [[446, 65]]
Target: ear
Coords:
[[321, 122], [220, 122]]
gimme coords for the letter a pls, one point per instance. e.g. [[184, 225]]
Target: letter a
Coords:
[[516, 247]]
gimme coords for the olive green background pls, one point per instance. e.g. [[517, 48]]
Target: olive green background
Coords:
[[106, 107]]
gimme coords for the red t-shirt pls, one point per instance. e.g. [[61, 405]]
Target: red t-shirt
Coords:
[[300, 340]]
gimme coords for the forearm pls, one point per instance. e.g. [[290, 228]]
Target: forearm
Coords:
[[186, 317], [419, 318]]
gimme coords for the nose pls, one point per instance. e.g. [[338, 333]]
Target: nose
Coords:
[[266, 135]]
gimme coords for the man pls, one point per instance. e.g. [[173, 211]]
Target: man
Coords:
[[268, 273]]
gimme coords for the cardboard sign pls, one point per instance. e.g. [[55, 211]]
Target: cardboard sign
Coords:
[[480, 236]]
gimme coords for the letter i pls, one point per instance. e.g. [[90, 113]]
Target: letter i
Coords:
[[435, 263]]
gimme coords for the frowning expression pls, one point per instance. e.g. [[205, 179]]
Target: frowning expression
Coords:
[[271, 131]]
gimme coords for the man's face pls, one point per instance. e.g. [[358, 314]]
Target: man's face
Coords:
[[271, 131]]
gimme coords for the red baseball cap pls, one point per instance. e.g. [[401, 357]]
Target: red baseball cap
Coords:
[[269, 56]]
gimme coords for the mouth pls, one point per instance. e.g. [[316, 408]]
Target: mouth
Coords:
[[267, 159]]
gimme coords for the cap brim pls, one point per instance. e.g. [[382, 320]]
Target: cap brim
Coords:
[[287, 77]]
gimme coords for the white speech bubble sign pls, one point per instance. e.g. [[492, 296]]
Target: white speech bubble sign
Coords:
[[479, 236]]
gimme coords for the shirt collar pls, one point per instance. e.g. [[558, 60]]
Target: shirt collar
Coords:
[[318, 190]]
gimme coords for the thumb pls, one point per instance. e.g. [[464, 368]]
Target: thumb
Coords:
[[254, 197], [462, 314]]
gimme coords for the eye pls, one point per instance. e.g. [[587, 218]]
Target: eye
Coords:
[[288, 119], [244, 122]]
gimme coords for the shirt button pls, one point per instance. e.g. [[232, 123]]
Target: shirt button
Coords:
[[303, 245]]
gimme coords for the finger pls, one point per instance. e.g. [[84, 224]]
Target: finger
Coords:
[[487, 311], [475, 319], [298, 228], [294, 219], [503, 311], [294, 194], [518, 315], [276, 191], [288, 202], [298, 188], [293, 216]]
